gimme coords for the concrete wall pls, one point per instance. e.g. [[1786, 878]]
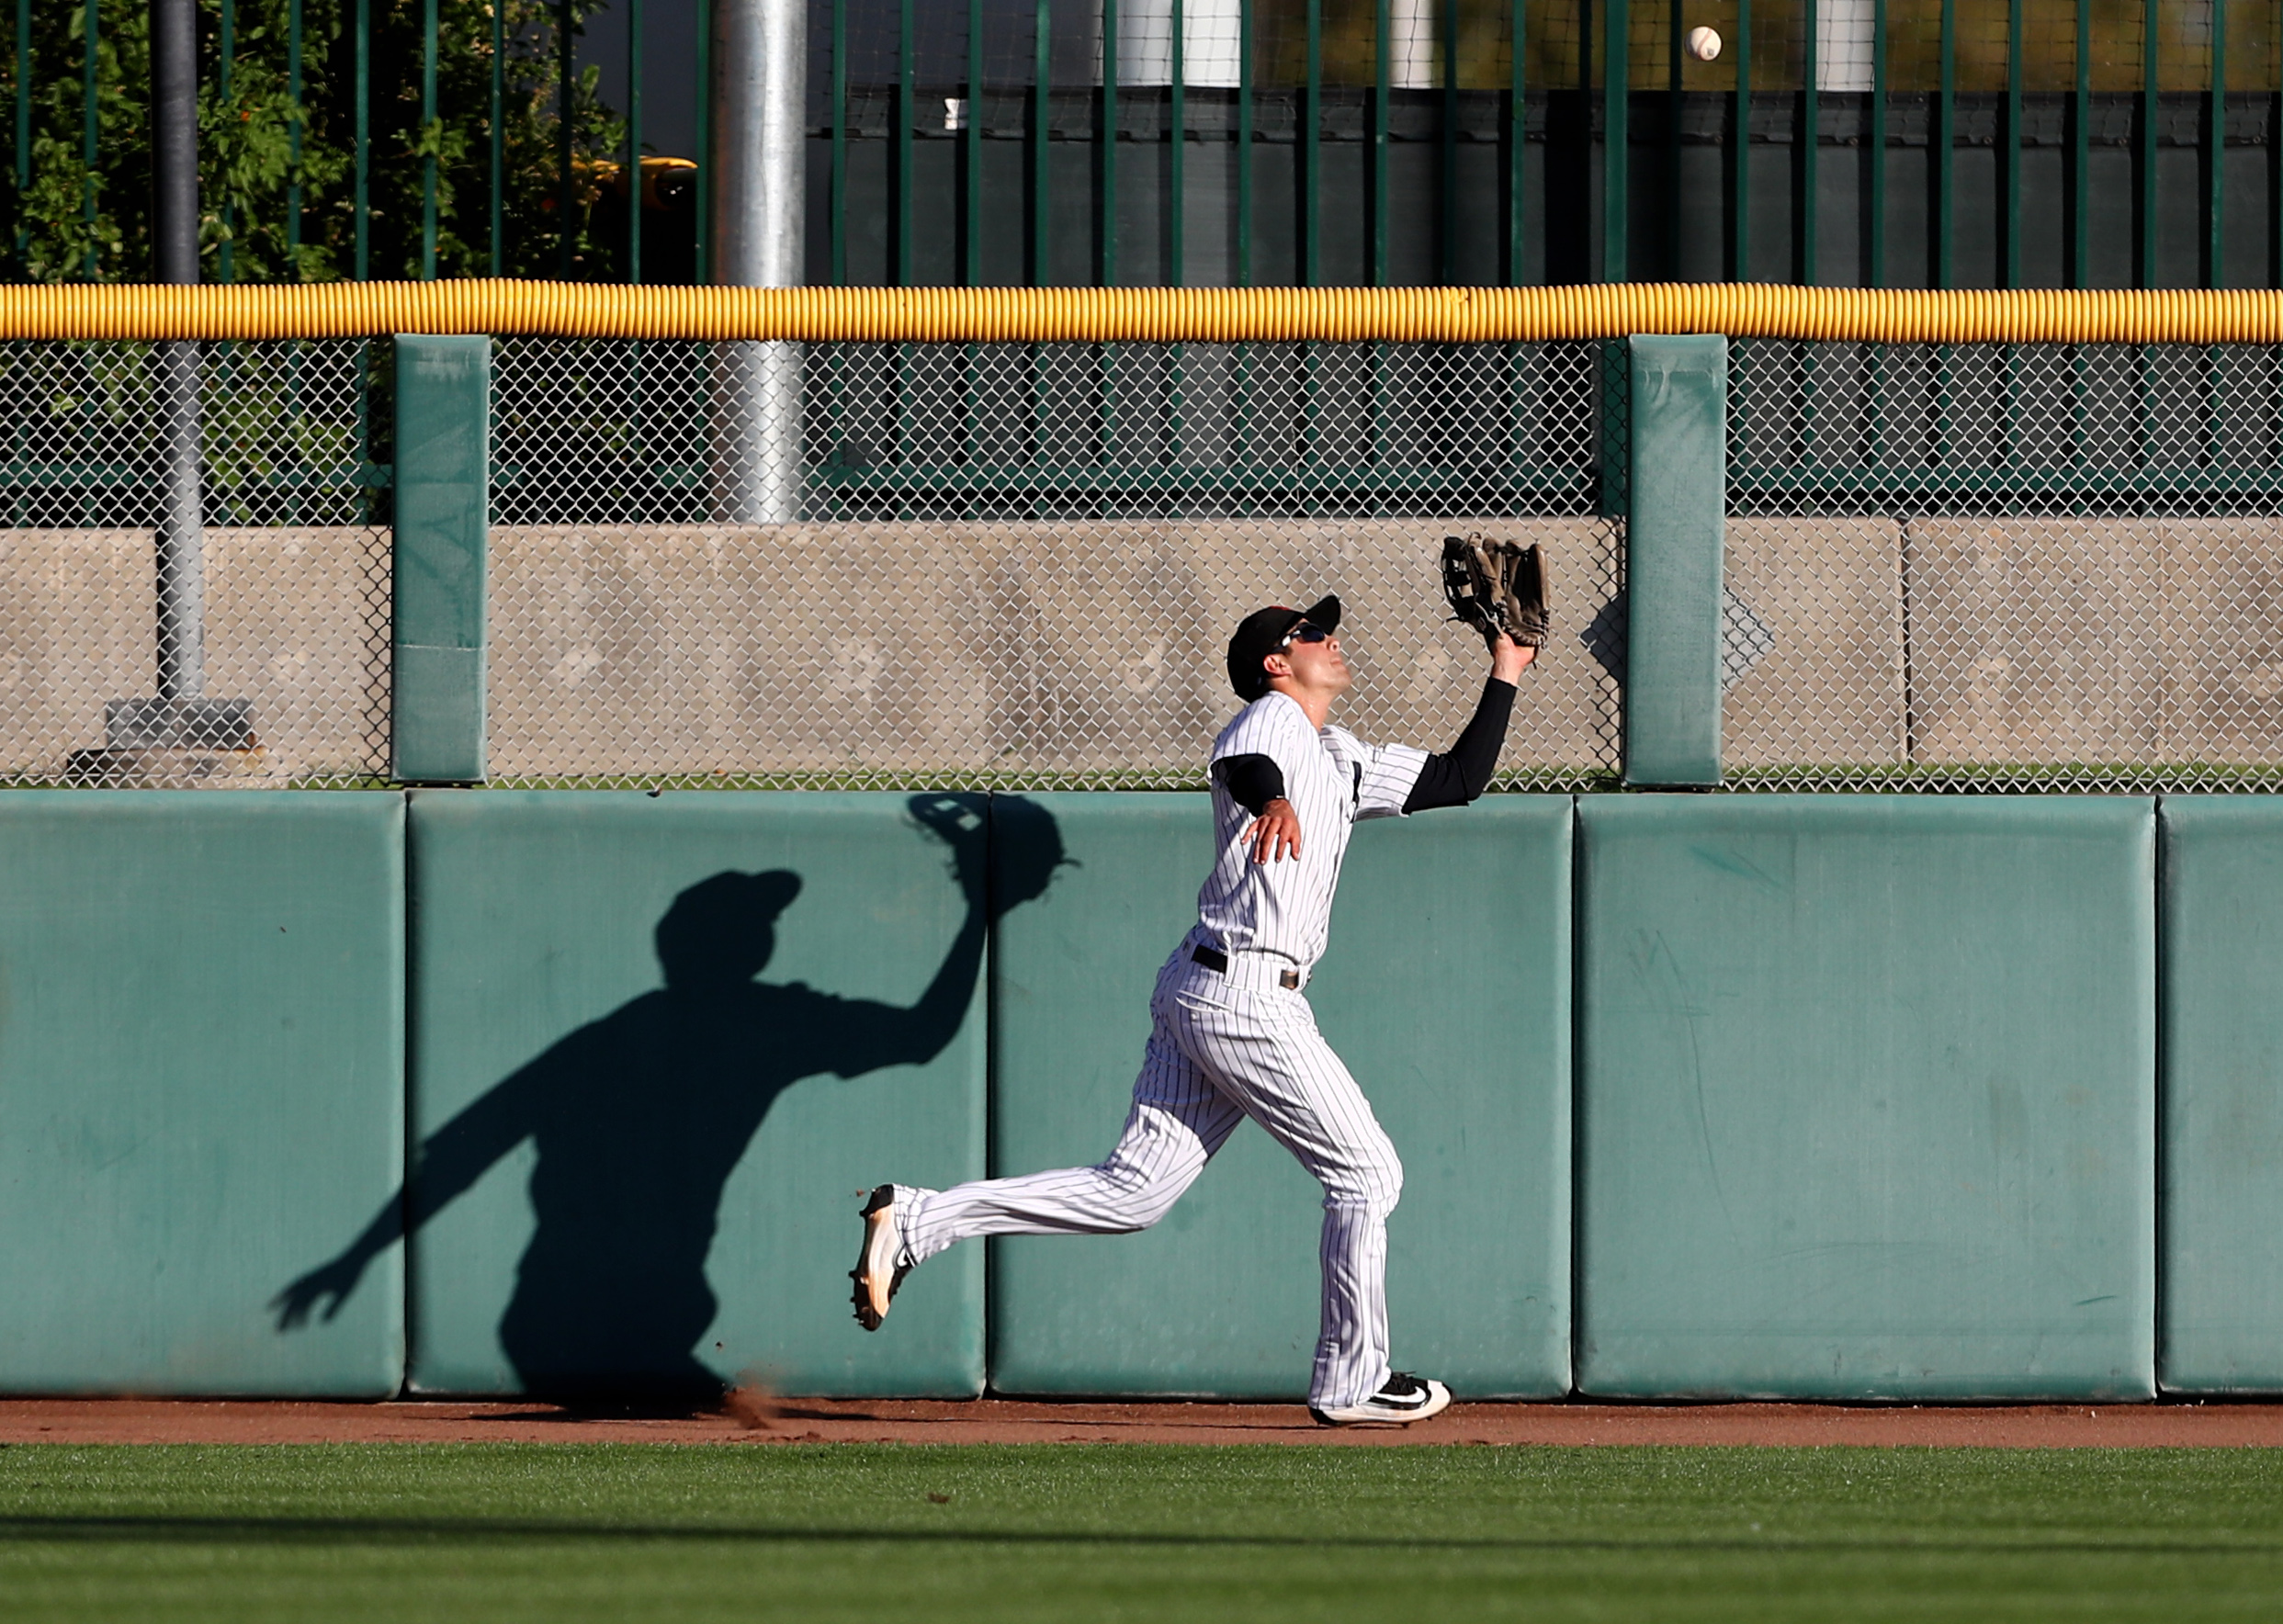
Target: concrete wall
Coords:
[[1066, 648], [297, 620], [2101, 641]]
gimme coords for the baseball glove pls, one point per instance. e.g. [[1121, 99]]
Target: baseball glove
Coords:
[[1497, 586]]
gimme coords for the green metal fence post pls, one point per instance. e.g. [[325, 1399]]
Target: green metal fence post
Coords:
[[838, 225], [427, 140], [1244, 142], [1380, 82], [634, 140], [565, 77], [1876, 248], [443, 500], [2215, 149], [1616, 143], [498, 223], [1945, 145], [89, 141], [225, 54], [364, 138], [701, 270], [2146, 270], [1517, 131], [293, 138], [23, 126], [971, 147], [1311, 134], [1810, 144], [1042, 126], [2081, 155], [1177, 191], [1677, 478], [1740, 154], [1108, 151], [1447, 213], [2012, 143], [906, 27]]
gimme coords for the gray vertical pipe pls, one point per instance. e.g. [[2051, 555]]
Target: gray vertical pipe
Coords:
[[759, 51], [175, 248]]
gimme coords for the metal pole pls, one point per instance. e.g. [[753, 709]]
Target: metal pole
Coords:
[[760, 59], [174, 254]]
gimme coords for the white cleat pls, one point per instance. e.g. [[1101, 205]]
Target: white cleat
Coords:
[[878, 1272], [1404, 1399]]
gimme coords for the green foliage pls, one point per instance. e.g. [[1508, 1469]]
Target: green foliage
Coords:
[[277, 175]]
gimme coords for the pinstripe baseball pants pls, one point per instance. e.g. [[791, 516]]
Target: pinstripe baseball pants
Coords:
[[1217, 1054]]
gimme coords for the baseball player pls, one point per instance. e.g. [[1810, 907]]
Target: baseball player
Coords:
[[1231, 1035]]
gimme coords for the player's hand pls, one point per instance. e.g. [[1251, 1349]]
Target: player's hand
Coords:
[[1275, 834], [1509, 659]]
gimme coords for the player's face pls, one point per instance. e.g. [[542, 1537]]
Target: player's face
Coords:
[[1318, 665]]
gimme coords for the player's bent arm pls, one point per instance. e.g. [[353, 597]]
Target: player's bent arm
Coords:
[[1257, 783], [1463, 772]]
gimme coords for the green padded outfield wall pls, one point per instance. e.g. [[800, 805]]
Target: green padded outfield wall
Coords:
[[201, 1021], [663, 1045], [2221, 928], [1441, 919], [1866, 1097]]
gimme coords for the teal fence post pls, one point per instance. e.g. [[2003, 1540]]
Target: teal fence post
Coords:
[[1676, 500], [443, 517]]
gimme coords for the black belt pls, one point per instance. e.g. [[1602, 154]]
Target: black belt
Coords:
[[1212, 958]]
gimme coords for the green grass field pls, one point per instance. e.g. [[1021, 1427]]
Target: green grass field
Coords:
[[875, 1533]]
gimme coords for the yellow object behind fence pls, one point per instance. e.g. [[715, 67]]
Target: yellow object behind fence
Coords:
[[1155, 315]]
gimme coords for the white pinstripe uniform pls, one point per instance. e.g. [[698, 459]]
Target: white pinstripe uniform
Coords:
[[1225, 1045]]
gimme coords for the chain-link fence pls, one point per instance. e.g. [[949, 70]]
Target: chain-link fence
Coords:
[[2005, 566], [1015, 565], [2018, 568], [279, 594]]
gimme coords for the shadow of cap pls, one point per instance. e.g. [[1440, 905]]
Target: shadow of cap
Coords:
[[723, 928]]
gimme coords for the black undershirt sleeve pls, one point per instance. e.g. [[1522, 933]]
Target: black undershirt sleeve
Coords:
[[1464, 771], [1253, 781]]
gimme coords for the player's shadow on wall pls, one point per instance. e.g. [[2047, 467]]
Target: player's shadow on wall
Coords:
[[639, 1118]]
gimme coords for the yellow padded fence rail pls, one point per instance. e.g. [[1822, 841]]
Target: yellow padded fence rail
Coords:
[[1158, 315]]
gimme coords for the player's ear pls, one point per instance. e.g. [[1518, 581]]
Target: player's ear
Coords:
[[1276, 665]]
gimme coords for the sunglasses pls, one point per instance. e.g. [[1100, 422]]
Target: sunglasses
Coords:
[[1304, 633]]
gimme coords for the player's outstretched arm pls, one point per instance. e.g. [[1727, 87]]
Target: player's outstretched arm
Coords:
[[1463, 772], [453, 1158]]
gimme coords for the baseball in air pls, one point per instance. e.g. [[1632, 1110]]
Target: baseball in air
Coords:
[[1704, 43]]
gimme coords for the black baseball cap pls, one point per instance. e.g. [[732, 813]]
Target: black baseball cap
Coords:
[[1258, 637]]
